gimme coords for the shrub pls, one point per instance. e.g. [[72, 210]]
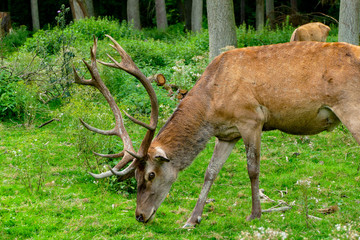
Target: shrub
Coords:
[[11, 42], [18, 100]]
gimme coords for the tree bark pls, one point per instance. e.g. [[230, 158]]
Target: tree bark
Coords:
[[293, 4], [222, 29], [161, 20], [188, 14], [270, 12], [260, 14], [35, 15], [349, 21], [133, 13], [79, 9], [90, 8], [242, 11], [5, 23], [196, 15]]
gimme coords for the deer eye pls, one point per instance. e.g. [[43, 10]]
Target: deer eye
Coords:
[[151, 176]]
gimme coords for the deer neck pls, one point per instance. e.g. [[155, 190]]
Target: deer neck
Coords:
[[186, 133]]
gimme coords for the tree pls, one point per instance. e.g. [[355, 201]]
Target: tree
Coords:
[[5, 23], [82, 8], [188, 14], [242, 11], [161, 20], [133, 13], [293, 4], [196, 15], [349, 21], [260, 14], [35, 15], [90, 8], [222, 29], [270, 11]]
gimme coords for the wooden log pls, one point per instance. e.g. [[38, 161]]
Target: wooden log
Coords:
[[279, 209], [181, 94], [160, 79], [172, 89]]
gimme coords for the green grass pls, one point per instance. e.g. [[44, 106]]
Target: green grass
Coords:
[[64, 202]]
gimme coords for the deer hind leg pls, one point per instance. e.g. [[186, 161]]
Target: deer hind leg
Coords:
[[221, 153], [252, 145], [349, 115], [251, 134]]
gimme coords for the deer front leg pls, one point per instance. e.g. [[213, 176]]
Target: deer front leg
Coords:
[[221, 153], [252, 142]]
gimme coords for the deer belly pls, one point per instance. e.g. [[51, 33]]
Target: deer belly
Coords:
[[305, 122]]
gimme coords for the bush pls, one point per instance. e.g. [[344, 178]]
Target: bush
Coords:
[[18, 101], [11, 42], [8, 93]]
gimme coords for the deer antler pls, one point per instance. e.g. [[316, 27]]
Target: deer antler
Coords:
[[119, 130]]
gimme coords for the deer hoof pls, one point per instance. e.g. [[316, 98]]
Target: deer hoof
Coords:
[[253, 216], [190, 224]]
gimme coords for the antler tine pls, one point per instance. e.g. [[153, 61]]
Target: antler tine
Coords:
[[124, 174], [93, 129], [152, 128], [116, 155]]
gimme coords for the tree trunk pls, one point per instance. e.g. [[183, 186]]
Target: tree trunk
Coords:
[[270, 12], [242, 11], [133, 13], [90, 8], [188, 14], [196, 15], [181, 9], [79, 9], [349, 21], [222, 29], [161, 20], [35, 15], [260, 14], [293, 4], [5, 23]]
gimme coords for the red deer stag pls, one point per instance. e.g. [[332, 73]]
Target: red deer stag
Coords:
[[298, 88]]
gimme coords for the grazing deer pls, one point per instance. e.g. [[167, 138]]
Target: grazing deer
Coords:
[[297, 87], [315, 31]]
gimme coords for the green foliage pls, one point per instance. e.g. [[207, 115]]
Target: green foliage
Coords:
[[8, 88], [11, 42], [248, 36], [98, 27], [18, 101]]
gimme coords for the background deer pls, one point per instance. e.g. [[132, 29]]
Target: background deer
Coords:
[[315, 31], [297, 87]]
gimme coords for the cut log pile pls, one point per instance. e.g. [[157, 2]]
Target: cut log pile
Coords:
[[173, 90]]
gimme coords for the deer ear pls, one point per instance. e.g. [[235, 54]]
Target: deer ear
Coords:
[[162, 159], [161, 155]]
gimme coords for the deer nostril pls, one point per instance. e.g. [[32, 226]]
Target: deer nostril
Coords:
[[140, 218]]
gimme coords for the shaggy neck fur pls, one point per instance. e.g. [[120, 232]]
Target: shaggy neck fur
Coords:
[[185, 134]]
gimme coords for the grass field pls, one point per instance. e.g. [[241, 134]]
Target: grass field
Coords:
[[46, 193]]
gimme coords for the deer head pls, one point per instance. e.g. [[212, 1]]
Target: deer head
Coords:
[[147, 164]]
